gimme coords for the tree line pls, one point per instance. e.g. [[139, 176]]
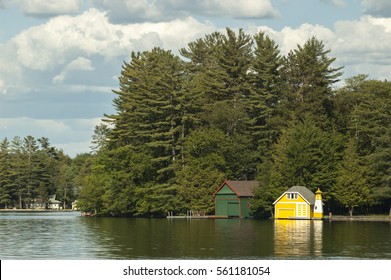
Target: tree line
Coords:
[[31, 171], [231, 106]]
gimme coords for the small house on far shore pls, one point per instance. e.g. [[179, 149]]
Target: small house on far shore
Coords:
[[299, 202], [54, 204], [232, 198], [74, 206]]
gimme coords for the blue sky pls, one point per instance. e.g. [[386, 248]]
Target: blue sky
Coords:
[[59, 60]]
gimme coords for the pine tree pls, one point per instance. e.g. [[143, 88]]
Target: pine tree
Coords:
[[149, 119], [100, 138], [351, 188], [6, 186], [371, 123], [264, 77], [362, 113], [19, 177], [219, 66], [148, 107], [308, 77]]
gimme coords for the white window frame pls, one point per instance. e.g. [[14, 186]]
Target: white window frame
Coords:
[[291, 196]]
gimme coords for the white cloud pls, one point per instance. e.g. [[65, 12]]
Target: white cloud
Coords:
[[10, 70], [381, 8], [166, 10], [79, 64], [64, 38], [361, 46], [288, 38], [365, 39], [65, 44], [47, 8]]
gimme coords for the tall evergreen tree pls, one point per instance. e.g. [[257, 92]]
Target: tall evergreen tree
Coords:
[[6, 185], [19, 174], [219, 66], [264, 98], [149, 118], [148, 107], [30, 149], [308, 77], [351, 188], [362, 111]]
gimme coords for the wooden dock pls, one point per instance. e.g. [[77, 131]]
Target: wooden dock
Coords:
[[197, 217], [194, 215]]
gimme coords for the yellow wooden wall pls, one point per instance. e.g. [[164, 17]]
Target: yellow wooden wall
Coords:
[[292, 208]]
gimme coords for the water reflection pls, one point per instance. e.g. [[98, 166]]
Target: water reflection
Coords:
[[238, 238], [318, 238], [298, 238], [69, 236], [48, 235], [182, 239]]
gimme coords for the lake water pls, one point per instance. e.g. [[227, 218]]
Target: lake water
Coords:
[[67, 235]]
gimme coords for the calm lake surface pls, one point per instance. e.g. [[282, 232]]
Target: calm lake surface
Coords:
[[69, 236]]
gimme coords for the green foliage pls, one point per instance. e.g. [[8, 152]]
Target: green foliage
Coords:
[[305, 155], [6, 183], [307, 77], [32, 170], [351, 188], [264, 77], [204, 168], [362, 112]]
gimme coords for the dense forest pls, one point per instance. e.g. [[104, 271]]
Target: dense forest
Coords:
[[31, 171], [231, 106]]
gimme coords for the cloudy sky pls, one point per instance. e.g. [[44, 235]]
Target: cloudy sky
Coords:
[[59, 60]]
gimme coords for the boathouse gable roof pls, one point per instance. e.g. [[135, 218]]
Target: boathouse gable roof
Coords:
[[304, 192], [240, 188]]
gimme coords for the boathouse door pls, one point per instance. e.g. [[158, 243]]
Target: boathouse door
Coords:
[[233, 209]]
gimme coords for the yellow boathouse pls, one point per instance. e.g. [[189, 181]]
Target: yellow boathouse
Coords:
[[298, 202]]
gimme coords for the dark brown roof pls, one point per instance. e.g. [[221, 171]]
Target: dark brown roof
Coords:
[[240, 188]]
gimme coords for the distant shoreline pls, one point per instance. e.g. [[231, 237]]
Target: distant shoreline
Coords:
[[36, 210]]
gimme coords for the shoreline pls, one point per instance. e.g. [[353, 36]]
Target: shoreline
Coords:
[[364, 218], [36, 210], [369, 218]]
